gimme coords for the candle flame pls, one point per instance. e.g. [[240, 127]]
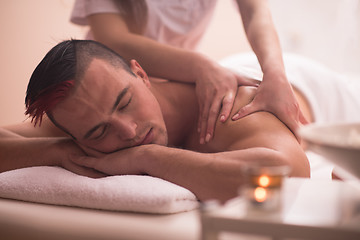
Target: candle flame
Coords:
[[260, 194], [264, 181]]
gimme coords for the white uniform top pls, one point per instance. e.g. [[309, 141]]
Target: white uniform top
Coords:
[[179, 23]]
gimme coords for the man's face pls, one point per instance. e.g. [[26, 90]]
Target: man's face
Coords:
[[111, 109]]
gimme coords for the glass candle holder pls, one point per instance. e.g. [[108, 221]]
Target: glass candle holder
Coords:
[[262, 188]]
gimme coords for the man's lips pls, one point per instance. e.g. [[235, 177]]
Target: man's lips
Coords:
[[148, 137]]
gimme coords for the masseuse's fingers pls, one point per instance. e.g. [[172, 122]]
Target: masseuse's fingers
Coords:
[[292, 117], [216, 93], [209, 114], [246, 110], [209, 123], [222, 105], [301, 120], [202, 122], [227, 105], [217, 107], [250, 108]]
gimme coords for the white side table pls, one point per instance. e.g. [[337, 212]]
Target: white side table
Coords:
[[312, 209]]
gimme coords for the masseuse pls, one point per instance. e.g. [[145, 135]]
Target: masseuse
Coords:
[[162, 35]]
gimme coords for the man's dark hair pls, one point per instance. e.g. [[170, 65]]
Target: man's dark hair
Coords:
[[60, 70]]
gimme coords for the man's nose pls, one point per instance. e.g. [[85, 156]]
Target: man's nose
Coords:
[[125, 127]]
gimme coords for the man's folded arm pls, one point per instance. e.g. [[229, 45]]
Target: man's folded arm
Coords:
[[19, 151], [207, 175]]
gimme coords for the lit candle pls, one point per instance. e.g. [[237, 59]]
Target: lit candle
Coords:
[[260, 194], [264, 181], [263, 188]]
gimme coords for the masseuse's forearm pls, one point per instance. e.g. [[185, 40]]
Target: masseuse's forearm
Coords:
[[163, 61], [262, 35], [158, 60]]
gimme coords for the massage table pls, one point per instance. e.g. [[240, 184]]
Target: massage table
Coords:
[[53, 203], [26, 220], [320, 204], [321, 219]]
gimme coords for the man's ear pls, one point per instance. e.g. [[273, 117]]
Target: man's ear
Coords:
[[139, 72]]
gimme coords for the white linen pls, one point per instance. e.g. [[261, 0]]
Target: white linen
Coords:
[[334, 98], [134, 193]]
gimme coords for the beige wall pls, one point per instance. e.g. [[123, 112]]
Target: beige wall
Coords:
[[325, 30], [28, 30]]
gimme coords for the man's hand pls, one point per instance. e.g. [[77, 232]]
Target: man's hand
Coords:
[[122, 162], [278, 98], [216, 88], [72, 150]]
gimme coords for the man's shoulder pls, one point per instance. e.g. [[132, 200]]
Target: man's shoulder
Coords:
[[27, 129], [258, 129]]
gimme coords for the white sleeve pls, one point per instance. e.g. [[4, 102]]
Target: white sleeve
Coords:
[[84, 8]]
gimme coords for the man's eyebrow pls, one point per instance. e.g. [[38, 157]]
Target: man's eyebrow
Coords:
[[119, 97]]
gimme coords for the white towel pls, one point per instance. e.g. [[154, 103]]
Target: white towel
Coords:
[[54, 185]]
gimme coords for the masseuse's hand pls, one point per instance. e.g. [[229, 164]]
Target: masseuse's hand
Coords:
[[216, 88], [275, 96]]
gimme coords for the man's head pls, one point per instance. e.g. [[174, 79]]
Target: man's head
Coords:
[[60, 69], [89, 91]]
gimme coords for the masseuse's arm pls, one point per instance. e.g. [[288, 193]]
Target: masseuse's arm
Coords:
[[275, 93], [258, 138], [215, 86], [23, 145]]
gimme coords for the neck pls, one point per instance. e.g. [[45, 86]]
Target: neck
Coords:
[[179, 111]]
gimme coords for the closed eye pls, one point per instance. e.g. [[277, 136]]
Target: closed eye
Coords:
[[102, 133], [121, 107]]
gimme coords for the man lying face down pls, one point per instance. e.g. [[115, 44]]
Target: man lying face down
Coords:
[[128, 123]]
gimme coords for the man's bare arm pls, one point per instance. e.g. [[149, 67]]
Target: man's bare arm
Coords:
[[27, 129], [19, 152], [23, 146], [207, 175]]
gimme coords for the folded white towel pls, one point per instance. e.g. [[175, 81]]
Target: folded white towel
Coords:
[[54, 185]]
